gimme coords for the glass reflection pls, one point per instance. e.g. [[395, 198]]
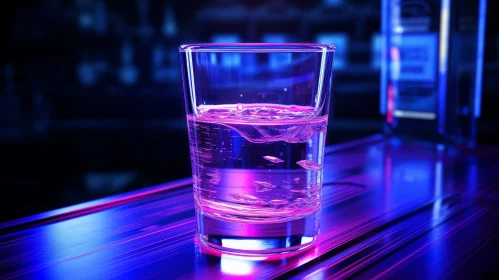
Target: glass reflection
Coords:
[[472, 177], [306, 239], [249, 244], [78, 239], [238, 265], [437, 194], [235, 267]]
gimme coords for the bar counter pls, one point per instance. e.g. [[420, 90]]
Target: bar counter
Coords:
[[390, 209]]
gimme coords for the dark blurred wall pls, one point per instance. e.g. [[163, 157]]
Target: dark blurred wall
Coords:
[[91, 102]]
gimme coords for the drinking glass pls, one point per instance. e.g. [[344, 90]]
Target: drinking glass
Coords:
[[257, 118]]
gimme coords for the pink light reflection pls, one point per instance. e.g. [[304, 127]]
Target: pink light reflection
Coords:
[[238, 265], [204, 249], [390, 105], [308, 255]]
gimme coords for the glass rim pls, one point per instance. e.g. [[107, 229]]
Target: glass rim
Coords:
[[257, 47]]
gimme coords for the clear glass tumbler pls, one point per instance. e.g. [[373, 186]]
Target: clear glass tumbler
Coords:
[[257, 119]]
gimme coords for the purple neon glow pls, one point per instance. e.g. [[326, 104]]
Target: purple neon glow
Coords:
[[257, 117], [257, 190]]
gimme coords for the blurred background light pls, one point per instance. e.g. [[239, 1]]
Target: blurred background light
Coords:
[[91, 100]]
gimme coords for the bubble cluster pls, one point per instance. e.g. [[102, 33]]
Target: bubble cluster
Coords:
[[292, 124]]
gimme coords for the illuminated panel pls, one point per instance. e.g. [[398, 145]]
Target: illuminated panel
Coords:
[[414, 115], [227, 59], [277, 60], [87, 74], [418, 57], [128, 72], [383, 63], [164, 63], [340, 41], [417, 76], [482, 11], [442, 63], [376, 43], [225, 38], [332, 3], [274, 38], [169, 25]]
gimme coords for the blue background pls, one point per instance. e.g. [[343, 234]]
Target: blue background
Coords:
[[91, 102]]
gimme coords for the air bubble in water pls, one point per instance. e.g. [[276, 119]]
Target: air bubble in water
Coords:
[[300, 191], [273, 159], [248, 199], [309, 165], [278, 203], [215, 177], [263, 186], [299, 202]]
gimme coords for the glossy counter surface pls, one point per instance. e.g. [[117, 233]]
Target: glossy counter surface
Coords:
[[389, 209]]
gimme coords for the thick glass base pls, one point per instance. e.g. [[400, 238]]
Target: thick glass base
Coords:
[[247, 238]]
